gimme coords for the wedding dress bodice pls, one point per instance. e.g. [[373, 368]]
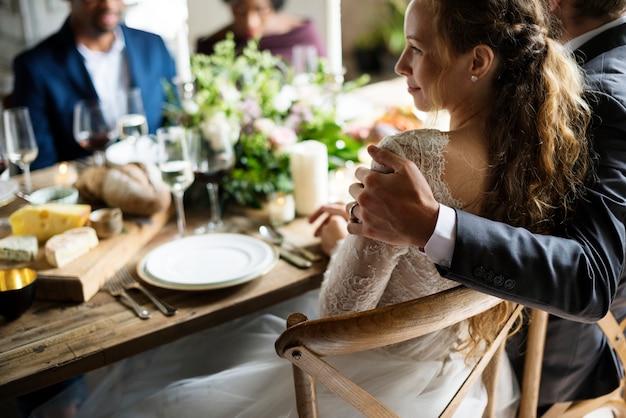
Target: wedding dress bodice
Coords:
[[365, 274]]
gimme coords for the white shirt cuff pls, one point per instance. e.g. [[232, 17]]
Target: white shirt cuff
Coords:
[[440, 247]]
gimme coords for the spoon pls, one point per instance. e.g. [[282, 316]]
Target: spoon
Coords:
[[288, 255], [273, 235]]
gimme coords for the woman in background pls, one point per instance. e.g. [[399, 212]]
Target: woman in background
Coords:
[[276, 32]]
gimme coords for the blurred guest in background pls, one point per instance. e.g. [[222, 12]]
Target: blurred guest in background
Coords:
[[277, 32], [93, 55]]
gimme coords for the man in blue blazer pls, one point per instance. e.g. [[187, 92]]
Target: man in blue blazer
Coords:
[[93, 55], [577, 274]]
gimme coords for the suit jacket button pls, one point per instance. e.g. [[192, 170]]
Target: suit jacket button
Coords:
[[479, 271], [509, 284], [488, 277], [498, 280]]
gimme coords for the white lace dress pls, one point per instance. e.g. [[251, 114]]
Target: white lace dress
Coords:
[[233, 370]]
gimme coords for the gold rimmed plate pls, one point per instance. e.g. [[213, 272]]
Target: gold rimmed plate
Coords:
[[205, 262]]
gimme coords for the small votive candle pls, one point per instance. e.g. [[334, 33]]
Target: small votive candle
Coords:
[[66, 176], [281, 208]]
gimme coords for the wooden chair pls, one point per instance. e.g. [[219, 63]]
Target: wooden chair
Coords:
[[304, 343], [614, 332]]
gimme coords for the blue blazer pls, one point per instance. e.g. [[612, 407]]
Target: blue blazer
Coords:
[[580, 273], [51, 77]]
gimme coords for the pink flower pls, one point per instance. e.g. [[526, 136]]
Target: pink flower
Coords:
[[282, 136]]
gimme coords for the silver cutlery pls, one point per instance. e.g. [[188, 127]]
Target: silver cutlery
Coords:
[[114, 286], [285, 253], [273, 235], [128, 282]]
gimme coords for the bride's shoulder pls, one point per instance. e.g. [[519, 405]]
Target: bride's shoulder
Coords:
[[419, 141]]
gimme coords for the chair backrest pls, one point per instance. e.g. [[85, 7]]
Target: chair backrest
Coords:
[[531, 380], [304, 343]]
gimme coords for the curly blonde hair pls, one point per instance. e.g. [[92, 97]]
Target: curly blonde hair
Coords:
[[537, 125]]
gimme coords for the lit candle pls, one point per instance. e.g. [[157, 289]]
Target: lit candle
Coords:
[[66, 176], [281, 208], [333, 36], [309, 171]]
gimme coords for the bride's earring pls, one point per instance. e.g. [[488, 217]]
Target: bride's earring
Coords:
[[474, 79]]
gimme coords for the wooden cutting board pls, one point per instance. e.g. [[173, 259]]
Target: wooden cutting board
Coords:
[[79, 280]]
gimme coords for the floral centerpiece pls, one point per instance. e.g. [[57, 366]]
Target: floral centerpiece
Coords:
[[263, 107]]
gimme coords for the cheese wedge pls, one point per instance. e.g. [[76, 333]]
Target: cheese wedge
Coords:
[[49, 219], [19, 248], [64, 248]]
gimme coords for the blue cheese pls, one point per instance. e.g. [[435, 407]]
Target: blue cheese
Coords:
[[19, 248]]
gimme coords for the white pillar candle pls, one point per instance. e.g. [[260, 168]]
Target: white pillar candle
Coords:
[[333, 36], [281, 208], [309, 171]]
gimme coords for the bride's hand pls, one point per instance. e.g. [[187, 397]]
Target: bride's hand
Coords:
[[333, 227]]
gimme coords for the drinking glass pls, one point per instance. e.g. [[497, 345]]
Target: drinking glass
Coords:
[[212, 159], [132, 123], [176, 169], [94, 128], [19, 137]]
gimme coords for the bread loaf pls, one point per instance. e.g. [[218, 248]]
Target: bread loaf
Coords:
[[136, 188], [66, 247]]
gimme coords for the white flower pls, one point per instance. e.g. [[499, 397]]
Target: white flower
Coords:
[[285, 98], [219, 129], [264, 125]]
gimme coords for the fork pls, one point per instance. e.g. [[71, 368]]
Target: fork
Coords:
[[114, 286], [128, 282]]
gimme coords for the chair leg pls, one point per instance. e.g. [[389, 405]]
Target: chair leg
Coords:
[[491, 376], [306, 394], [532, 364]]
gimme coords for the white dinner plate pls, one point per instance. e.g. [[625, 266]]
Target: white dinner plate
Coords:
[[124, 152], [210, 261], [8, 188]]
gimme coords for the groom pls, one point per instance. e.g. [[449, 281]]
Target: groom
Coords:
[[578, 273]]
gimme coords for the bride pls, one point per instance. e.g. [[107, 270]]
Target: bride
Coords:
[[516, 151]]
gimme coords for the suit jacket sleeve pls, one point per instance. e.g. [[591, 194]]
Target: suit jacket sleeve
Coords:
[[575, 273], [29, 92]]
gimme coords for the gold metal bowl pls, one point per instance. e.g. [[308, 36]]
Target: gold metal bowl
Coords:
[[17, 291]]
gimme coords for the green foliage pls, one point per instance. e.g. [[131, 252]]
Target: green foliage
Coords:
[[257, 93]]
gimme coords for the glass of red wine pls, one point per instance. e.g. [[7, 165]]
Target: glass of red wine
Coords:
[[212, 160], [94, 127]]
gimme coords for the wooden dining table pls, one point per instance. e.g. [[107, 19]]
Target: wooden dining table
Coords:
[[54, 340]]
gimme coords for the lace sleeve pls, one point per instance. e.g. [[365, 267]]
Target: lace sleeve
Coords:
[[364, 273], [357, 275]]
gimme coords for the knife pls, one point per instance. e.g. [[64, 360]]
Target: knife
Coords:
[[294, 258]]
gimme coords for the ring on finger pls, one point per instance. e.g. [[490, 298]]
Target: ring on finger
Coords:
[[353, 217]]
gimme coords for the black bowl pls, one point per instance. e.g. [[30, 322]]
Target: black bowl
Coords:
[[17, 291]]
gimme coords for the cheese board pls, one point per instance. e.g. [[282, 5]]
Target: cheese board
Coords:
[[81, 279]]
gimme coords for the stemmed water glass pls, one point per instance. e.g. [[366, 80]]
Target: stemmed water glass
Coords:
[[94, 127], [19, 137], [176, 169], [212, 159], [132, 123]]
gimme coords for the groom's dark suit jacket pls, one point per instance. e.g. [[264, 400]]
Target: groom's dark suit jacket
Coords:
[[578, 278], [51, 77]]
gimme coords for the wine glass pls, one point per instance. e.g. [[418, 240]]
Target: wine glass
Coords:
[[176, 169], [94, 129], [212, 159], [132, 123], [19, 137]]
